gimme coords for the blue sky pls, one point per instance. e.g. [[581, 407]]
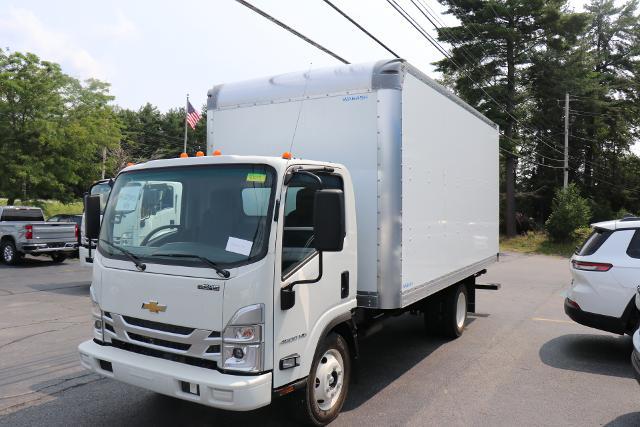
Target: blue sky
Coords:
[[157, 51]]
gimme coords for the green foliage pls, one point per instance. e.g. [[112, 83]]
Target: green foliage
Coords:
[[52, 129], [569, 212], [540, 243]]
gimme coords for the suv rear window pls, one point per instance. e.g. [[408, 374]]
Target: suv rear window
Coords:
[[594, 241], [634, 246], [22, 215]]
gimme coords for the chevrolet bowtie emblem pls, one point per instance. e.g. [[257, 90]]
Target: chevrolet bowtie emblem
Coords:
[[154, 307]]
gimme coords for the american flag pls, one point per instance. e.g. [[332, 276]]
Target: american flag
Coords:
[[192, 115]]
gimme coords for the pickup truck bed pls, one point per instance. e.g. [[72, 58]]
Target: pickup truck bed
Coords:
[[24, 231]]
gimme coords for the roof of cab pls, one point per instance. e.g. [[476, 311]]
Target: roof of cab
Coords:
[[618, 224], [277, 162]]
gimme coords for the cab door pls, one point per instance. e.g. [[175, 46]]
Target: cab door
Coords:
[[296, 329]]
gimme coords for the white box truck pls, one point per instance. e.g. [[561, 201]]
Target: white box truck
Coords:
[[272, 264]]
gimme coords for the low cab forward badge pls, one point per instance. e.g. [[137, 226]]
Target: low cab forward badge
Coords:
[[154, 307]]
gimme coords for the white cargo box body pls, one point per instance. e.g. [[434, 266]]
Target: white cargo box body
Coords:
[[424, 166]]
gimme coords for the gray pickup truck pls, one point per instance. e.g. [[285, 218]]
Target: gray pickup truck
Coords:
[[24, 231]]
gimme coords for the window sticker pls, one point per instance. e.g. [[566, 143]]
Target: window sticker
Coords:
[[257, 177], [239, 246]]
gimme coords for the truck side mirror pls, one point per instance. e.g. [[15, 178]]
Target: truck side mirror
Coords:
[[92, 217], [328, 220]]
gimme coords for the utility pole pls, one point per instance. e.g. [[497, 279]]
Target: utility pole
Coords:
[[104, 160], [566, 140], [186, 113]]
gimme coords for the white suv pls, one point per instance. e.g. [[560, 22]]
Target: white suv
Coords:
[[606, 274]]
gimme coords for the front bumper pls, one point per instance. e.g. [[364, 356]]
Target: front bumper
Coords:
[[218, 390], [635, 355]]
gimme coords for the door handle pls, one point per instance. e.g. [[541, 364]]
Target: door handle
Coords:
[[344, 284]]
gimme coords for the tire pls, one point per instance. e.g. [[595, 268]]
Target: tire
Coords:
[[455, 312], [446, 313], [8, 253], [58, 258], [328, 381]]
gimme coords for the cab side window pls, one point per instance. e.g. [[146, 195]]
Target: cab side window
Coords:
[[297, 239]]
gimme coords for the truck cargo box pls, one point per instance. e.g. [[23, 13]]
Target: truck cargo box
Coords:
[[424, 166]]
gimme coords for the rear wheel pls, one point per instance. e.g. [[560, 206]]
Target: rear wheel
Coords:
[[328, 381], [446, 313], [9, 253], [58, 258]]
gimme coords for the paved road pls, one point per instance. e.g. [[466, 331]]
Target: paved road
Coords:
[[520, 362]]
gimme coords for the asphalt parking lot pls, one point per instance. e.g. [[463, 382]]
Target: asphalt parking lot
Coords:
[[521, 361]]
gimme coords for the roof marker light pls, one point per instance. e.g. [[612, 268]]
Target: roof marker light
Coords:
[[183, 155], [199, 154], [217, 153], [130, 164], [287, 155]]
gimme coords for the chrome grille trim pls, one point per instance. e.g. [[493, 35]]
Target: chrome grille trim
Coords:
[[200, 340]]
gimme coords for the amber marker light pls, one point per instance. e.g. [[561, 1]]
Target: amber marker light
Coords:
[[217, 153], [183, 155], [199, 154], [287, 155]]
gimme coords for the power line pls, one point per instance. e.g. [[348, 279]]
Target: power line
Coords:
[[291, 30], [361, 28]]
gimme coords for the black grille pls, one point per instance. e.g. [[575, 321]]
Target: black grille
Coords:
[[108, 327], [164, 327], [56, 245], [107, 315], [214, 334], [213, 349], [159, 342], [193, 361]]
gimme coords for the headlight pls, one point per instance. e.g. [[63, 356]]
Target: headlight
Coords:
[[98, 323], [242, 341]]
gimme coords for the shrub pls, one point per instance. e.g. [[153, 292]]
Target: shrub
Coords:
[[569, 211]]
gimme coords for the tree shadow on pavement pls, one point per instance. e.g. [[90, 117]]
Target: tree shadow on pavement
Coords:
[[630, 419], [595, 354]]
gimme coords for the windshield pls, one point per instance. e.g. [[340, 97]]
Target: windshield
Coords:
[[218, 212]]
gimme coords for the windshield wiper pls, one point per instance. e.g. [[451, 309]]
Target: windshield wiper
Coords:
[[221, 271], [134, 259]]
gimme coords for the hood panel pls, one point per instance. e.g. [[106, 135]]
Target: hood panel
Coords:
[[124, 292]]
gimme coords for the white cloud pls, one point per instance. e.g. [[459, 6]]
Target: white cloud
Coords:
[[123, 28], [51, 45]]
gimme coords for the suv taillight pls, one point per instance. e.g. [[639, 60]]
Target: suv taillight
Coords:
[[591, 266], [28, 231], [77, 231]]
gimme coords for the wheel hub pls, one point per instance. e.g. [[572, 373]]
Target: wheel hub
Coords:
[[7, 253], [328, 380], [461, 310]]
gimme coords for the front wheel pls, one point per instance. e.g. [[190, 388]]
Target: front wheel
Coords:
[[328, 381]]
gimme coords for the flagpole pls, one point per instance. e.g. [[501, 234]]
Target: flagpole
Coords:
[[186, 113]]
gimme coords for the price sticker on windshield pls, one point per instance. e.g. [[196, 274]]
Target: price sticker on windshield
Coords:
[[257, 177]]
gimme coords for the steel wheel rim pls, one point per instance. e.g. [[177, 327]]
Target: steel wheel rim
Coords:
[[7, 253], [461, 310], [328, 380]]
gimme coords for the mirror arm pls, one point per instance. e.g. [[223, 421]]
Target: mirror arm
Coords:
[[287, 294]]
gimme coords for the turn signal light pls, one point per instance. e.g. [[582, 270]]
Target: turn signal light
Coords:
[[28, 231], [591, 266], [217, 153], [183, 155], [199, 154], [287, 155]]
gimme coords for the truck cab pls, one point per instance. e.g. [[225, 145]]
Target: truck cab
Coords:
[[233, 284]]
